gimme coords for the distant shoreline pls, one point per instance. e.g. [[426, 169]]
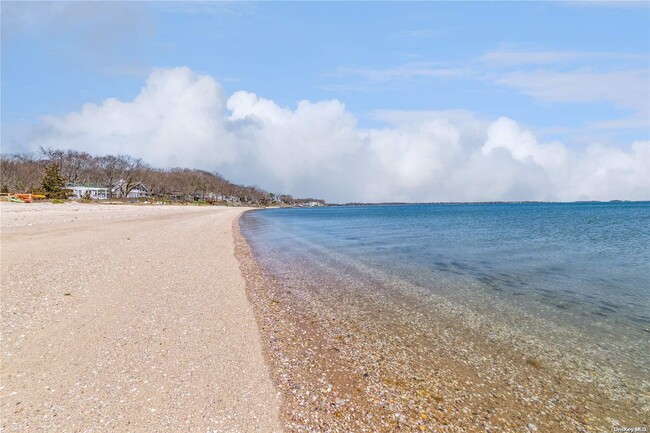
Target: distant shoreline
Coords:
[[446, 203]]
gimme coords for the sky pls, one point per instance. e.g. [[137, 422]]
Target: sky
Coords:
[[346, 101]]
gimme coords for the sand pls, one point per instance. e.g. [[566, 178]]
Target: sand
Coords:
[[128, 318]]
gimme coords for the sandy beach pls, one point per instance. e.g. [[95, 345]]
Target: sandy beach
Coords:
[[128, 318]]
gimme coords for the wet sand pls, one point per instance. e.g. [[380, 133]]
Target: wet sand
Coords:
[[352, 355], [128, 318]]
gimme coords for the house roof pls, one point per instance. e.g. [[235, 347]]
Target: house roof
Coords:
[[89, 185]]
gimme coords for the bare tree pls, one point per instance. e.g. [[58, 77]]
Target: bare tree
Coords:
[[76, 167], [21, 173], [156, 181], [122, 173], [130, 171], [109, 167]]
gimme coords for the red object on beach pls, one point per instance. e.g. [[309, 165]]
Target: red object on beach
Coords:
[[27, 198]]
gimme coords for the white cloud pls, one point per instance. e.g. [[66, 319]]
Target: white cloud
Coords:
[[604, 172], [413, 155], [638, 122], [523, 146], [625, 89], [291, 146], [619, 79], [317, 148], [510, 58], [405, 72], [175, 119], [507, 57]]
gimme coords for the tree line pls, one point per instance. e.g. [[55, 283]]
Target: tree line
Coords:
[[34, 173]]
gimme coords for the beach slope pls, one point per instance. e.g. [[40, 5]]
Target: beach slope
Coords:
[[128, 318]]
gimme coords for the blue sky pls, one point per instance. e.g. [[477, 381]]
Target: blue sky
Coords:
[[574, 72]]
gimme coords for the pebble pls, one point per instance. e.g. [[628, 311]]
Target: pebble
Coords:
[[396, 371]]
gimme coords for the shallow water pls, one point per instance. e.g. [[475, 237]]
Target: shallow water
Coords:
[[401, 303], [593, 255], [584, 267]]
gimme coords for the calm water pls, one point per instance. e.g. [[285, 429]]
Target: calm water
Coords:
[[583, 265]]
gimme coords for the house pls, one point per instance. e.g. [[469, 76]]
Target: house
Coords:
[[312, 203], [139, 191], [88, 191], [178, 196]]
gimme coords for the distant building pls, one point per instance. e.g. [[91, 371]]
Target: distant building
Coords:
[[139, 191], [311, 204], [88, 191]]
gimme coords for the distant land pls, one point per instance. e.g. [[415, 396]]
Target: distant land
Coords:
[[85, 176], [441, 203]]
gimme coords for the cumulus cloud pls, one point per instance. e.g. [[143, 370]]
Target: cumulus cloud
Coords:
[[177, 118], [523, 146], [180, 118]]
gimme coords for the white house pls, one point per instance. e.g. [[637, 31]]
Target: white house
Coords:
[[140, 191], [86, 191]]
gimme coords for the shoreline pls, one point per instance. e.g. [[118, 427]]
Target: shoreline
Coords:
[[358, 361], [130, 318]]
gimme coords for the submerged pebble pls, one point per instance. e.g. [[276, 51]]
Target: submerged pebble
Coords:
[[403, 358]]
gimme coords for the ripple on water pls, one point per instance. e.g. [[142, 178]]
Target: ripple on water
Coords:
[[589, 280]]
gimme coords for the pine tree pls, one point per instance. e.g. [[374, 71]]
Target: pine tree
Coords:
[[53, 183]]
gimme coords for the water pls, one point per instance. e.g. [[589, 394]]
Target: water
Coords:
[[422, 291], [592, 255], [582, 267]]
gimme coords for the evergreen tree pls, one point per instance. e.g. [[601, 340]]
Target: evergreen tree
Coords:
[[53, 183]]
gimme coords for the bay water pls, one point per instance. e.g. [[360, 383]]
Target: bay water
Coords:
[[584, 268]]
